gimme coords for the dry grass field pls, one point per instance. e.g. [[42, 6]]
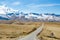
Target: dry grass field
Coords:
[[14, 30], [51, 30]]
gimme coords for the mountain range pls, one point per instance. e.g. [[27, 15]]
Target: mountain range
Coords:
[[11, 14]]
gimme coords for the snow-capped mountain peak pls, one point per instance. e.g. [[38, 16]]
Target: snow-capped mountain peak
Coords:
[[4, 9], [10, 13]]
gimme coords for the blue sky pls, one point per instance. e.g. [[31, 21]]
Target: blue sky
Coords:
[[38, 6]]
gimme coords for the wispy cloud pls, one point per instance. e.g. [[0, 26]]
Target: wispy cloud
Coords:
[[38, 7], [42, 5], [16, 3]]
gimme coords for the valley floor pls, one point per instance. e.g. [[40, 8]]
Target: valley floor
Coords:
[[51, 30]]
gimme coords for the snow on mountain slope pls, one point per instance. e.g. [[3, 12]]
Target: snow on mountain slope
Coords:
[[2, 10], [10, 13]]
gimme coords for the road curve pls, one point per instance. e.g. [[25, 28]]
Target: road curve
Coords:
[[32, 36]]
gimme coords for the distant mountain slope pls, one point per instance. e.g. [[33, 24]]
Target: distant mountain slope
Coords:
[[3, 18], [11, 14]]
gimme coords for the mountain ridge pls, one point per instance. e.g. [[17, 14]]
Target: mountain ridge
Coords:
[[12, 14]]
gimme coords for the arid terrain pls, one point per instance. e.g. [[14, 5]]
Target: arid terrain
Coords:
[[51, 30]]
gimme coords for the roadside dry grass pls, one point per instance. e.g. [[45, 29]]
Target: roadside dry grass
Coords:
[[12, 31], [51, 30]]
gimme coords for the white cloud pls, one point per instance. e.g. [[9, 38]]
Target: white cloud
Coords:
[[16, 3]]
